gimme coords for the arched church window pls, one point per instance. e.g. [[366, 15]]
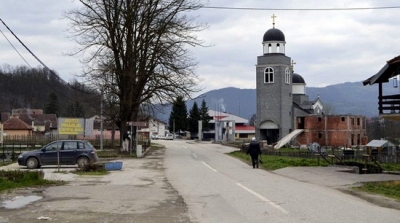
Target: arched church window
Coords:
[[278, 47], [269, 75], [287, 76], [269, 48]]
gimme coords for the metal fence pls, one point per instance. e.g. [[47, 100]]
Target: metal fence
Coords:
[[14, 145], [342, 155]]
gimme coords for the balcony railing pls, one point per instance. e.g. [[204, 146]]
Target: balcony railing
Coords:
[[389, 104]]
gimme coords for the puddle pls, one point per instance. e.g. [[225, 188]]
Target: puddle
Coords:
[[20, 201]]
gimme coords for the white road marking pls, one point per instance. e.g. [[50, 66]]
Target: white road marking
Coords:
[[194, 154], [209, 167], [263, 198]]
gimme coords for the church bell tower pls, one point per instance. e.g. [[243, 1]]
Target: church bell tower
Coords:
[[273, 88]]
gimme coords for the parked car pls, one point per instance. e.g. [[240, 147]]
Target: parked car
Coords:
[[60, 152], [169, 136]]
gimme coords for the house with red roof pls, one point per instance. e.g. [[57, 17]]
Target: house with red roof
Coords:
[[16, 127]]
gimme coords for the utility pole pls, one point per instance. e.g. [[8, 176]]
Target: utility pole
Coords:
[[173, 127], [101, 121]]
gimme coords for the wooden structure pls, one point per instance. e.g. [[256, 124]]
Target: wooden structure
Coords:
[[388, 105]]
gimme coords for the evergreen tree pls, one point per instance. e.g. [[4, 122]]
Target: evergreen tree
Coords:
[[178, 116], [52, 104], [204, 117], [194, 118], [75, 109]]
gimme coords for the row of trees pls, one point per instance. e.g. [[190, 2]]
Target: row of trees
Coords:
[[378, 128], [180, 120], [36, 88]]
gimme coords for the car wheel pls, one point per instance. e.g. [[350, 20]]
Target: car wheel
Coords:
[[82, 162], [32, 163]]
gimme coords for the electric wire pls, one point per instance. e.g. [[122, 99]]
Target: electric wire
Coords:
[[43, 64], [301, 9], [15, 48]]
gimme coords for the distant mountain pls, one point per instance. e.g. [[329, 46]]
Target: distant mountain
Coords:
[[346, 98]]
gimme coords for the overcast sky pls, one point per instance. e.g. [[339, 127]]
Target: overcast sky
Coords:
[[328, 46]]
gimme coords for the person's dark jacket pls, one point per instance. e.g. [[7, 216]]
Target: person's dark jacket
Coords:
[[254, 149], [125, 136]]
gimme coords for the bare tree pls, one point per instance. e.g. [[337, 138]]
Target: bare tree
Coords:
[[138, 49]]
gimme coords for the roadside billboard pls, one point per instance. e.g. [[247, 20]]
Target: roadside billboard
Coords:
[[75, 126]]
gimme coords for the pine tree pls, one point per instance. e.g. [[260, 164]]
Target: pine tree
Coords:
[[204, 117], [178, 116], [75, 109], [52, 104], [194, 118]]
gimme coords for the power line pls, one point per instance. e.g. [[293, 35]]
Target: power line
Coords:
[[15, 48], [44, 65], [301, 9]]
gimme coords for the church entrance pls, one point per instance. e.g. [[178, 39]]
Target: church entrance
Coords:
[[271, 135], [269, 131]]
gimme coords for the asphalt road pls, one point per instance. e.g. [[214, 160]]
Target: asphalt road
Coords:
[[219, 188], [198, 182]]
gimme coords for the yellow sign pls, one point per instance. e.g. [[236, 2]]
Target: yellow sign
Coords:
[[71, 126]]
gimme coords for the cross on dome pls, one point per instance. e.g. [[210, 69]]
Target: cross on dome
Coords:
[[273, 20]]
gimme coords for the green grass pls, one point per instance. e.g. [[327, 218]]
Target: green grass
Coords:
[[18, 179], [390, 166], [389, 189], [278, 162]]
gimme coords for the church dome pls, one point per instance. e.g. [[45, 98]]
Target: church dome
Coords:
[[274, 35], [297, 79]]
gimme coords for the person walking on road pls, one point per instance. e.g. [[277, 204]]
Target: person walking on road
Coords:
[[254, 151]]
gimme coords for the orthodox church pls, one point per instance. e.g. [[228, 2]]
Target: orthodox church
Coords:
[[281, 93]]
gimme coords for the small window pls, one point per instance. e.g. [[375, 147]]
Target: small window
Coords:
[[319, 119], [269, 48], [343, 119], [358, 121], [69, 145], [287, 76], [319, 135], [269, 75], [54, 146], [80, 145], [278, 48]]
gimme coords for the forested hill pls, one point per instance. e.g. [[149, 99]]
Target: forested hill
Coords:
[[24, 87], [346, 98]]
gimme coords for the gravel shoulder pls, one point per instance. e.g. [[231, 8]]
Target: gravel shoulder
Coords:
[[139, 192]]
